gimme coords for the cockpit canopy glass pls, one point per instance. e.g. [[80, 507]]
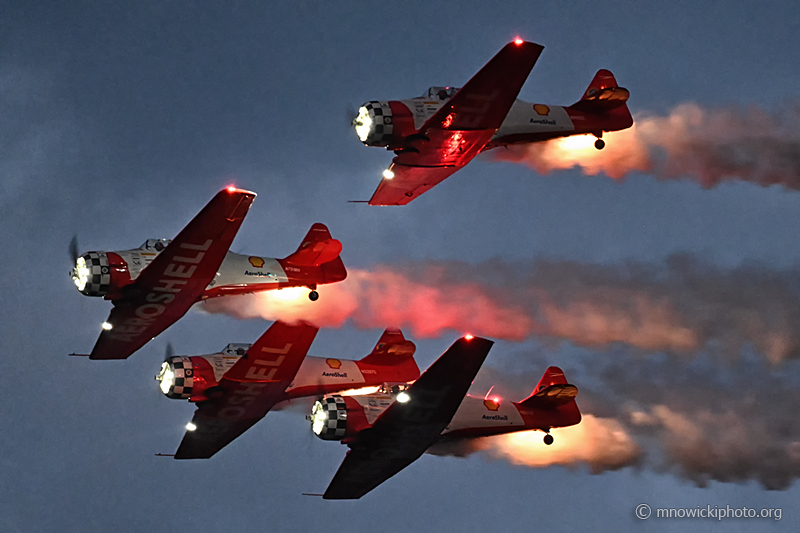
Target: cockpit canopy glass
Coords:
[[155, 245], [440, 93]]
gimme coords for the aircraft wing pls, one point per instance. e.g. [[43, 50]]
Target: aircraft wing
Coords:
[[460, 129], [405, 430], [248, 390], [173, 282]]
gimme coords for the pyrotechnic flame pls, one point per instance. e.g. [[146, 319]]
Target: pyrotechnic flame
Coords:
[[682, 307], [708, 146], [600, 443]]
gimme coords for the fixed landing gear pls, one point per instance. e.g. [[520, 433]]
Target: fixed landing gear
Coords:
[[548, 439], [313, 296], [599, 144]]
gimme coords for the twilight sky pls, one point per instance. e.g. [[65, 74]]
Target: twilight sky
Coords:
[[119, 123]]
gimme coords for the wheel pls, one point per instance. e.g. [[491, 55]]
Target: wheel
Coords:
[[548, 439], [599, 144], [313, 296]]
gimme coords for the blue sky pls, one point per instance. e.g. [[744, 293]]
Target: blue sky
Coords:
[[119, 123]]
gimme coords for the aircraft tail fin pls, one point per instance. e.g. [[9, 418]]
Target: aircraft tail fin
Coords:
[[603, 95], [316, 249], [392, 349], [392, 359], [552, 391]]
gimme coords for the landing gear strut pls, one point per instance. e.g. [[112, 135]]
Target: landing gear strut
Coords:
[[313, 296], [548, 439]]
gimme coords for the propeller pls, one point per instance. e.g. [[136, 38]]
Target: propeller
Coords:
[[350, 114], [170, 352], [73, 248]]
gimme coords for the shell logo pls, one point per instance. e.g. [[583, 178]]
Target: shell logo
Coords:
[[334, 363], [492, 405], [541, 109], [256, 261]]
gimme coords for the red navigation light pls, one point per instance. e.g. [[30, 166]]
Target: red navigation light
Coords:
[[518, 41], [468, 337], [231, 189]]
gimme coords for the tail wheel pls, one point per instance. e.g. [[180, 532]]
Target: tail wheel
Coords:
[[313, 296], [599, 144], [548, 439]]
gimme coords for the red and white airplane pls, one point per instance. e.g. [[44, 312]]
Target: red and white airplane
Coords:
[[389, 430], [154, 285], [236, 387], [436, 134]]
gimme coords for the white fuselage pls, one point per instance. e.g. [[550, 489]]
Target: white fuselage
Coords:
[[236, 269], [314, 371], [522, 118], [473, 413]]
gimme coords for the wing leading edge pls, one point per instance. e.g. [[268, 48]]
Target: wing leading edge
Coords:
[[458, 131], [248, 390], [173, 282], [405, 430]]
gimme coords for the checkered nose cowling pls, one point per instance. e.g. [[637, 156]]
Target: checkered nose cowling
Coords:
[[92, 274], [176, 378], [329, 417], [374, 124]]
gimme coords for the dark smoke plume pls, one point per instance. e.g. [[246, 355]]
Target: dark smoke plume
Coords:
[[668, 415], [708, 146]]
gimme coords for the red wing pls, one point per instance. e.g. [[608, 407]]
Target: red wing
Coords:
[[176, 278], [405, 430], [248, 390], [460, 129]]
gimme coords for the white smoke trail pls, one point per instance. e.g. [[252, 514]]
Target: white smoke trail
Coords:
[[683, 306], [708, 146]]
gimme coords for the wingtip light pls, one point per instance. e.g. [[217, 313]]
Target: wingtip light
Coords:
[[107, 326], [469, 337], [190, 427], [231, 189], [388, 174], [518, 41]]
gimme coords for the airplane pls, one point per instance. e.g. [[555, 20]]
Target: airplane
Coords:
[[235, 388], [438, 133], [388, 430], [154, 285]]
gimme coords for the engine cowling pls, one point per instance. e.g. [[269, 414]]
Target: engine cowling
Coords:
[[100, 273], [182, 378], [384, 124], [329, 417]]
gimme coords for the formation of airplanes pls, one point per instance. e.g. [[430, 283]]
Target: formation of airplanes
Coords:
[[380, 406], [438, 133]]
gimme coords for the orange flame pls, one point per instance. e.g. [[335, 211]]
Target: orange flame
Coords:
[[601, 443]]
